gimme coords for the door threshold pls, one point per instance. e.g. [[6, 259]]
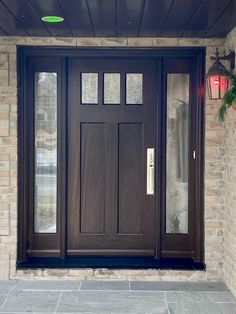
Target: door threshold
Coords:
[[111, 262]]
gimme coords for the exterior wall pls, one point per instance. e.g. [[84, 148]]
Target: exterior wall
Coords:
[[230, 187], [214, 168]]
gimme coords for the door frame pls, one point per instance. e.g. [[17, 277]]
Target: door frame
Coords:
[[24, 54]]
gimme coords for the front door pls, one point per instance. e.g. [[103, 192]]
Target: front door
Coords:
[[111, 126], [111, 156]]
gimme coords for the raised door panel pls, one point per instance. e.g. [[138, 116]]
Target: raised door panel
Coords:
[[131, 174], [92, 178]]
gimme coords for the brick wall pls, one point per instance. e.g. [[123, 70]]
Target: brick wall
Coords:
[[214, 170], [230, 187]]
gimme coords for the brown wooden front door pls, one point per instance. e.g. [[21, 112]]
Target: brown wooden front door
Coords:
[[111, 123]]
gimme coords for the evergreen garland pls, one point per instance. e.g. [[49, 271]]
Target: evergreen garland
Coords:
[[229, 97]]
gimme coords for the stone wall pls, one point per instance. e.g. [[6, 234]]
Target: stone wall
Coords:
[[214, 168], [230, 187]]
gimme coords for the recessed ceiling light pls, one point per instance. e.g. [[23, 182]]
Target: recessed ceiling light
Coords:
[[52, 19]]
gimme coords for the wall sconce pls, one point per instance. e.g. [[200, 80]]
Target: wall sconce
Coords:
[[217, 82]]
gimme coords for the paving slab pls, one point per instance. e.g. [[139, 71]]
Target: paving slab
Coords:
[[105, 285], [202, 308], [31, 301], [114, 297], [47, 285], [6, 286], [112, 302], [198, 297], [177, 286]]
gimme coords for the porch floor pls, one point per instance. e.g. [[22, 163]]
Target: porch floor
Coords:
[[34, 296]]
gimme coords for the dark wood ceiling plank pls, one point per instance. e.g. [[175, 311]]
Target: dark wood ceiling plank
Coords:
[[103, 17], [52, 7], [122, 18], [128, 17], [179, 16], [219, 29], [77, 15], [206, 15], [9, 23], [154, 16], [2, 32], [27, 17]]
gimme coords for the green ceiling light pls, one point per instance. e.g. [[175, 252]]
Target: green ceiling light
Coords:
[[52, 19]]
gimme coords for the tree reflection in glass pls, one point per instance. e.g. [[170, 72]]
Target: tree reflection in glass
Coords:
[[45, 214], [177, 153]]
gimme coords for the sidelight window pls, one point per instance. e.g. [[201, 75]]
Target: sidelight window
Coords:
[[45, 195], [177, 153]]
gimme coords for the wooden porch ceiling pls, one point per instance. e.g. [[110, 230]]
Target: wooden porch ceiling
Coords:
[[119, 18]]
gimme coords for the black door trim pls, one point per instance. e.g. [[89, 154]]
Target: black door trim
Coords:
[[24, 54], [112, 263]]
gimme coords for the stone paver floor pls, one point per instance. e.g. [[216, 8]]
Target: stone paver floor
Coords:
[[118, 297]]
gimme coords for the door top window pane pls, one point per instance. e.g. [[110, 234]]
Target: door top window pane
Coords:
[[134, 88], [112, 88], [89, 90]]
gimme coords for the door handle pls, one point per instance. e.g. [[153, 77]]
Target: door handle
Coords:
[[150, 171]]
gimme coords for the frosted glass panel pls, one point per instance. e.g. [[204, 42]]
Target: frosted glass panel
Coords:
[[134, 88], [112, 88], [89, 88], [177, 153], [45, 215]]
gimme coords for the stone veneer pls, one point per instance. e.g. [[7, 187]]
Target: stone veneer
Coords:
[[216, 167], [230, 188]]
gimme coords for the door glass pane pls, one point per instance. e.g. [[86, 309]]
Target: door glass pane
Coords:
[[45, 214], [112, 88], [89, 88], [134, 88], [177, 153]]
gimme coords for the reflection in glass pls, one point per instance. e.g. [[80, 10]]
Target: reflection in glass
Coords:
[[177, 153], [134, 88], [45, 214], [112, 88], [89, 88]]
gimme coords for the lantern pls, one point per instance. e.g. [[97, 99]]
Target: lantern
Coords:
[[217, 81]]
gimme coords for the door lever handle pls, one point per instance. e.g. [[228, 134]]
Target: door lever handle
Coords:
[[150, 171]]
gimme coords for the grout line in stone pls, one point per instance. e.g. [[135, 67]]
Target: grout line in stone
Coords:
[[165, 299], [13, 287], [10, 290], [46, 290], [59, 300], [4, 302], [120, 290], [225, 302]]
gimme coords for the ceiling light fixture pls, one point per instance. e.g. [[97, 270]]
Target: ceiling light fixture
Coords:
[[52, 19]]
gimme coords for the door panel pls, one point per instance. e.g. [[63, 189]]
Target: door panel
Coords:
[[92, 178], [130, 178], [109, 212]]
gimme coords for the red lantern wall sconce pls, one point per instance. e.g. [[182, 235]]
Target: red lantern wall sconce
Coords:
[[217, 82]]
